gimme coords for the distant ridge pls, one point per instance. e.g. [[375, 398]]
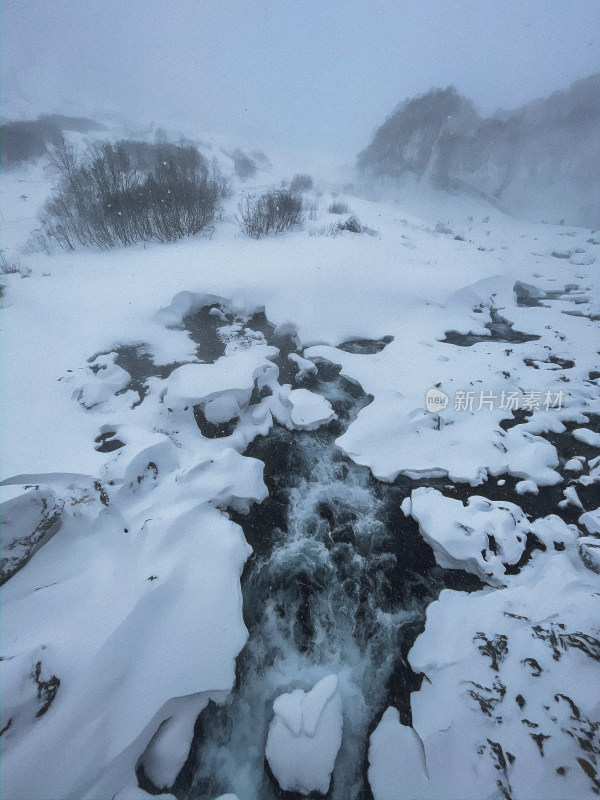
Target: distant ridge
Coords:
[[26, 140], [540, 161]]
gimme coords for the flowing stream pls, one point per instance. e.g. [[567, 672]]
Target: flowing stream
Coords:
[[338, 583]]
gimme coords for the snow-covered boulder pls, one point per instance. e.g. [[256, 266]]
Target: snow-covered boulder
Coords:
[[309, 410], [104, 380], [30, 516], [589, 550], [527, 487], [167, 751], [591, 520], [574, 464], [482, 537], [234, 374], [527, 292], [305, 367], [305, 737], [552, 531], [299, 409]]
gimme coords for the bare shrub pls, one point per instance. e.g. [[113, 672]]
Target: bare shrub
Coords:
[[311, 207], [129, 192], [337, 207], [333, 229], [272, 212], [9, 265], [38, 242], [301, 183], [12, 265]]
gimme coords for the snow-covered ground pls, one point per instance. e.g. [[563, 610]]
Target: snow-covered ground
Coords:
[[123, 614]]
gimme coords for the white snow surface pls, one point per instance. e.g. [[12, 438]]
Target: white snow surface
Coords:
[[305, 736], [134, 605]]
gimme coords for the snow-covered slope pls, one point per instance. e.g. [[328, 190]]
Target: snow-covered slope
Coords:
[[540, 161], [134, 382]]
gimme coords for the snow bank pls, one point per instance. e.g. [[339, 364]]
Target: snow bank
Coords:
[[397, 766], [500, 712]]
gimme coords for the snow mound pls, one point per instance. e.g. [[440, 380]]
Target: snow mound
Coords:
[[105, 384], [235, 374], [574, 465], [527, 487], [483, 537], [132, 568], [589, 550], [587, 436], [299, 409], [305, 367], [397, 767], [591, 521], [305, 736]]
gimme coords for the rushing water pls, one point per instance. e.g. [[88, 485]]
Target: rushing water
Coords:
[[338, 583]]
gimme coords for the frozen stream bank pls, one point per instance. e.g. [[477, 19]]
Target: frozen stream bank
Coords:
[[259, 598]]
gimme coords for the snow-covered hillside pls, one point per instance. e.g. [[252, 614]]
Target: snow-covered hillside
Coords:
[[314, 512], [540, 161]]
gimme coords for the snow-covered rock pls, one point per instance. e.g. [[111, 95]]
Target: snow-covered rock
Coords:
[[527, 291], [574, 464], [300, 409], [168, 749], [589, 550], [552, 531], [305, 736], [305, 367], [527, 487], [30, 516], [591, 520], [234, 374], [483, 537], [105, 379], [587, 436]]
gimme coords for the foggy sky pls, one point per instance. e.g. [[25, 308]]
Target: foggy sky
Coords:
[[312, 74]]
